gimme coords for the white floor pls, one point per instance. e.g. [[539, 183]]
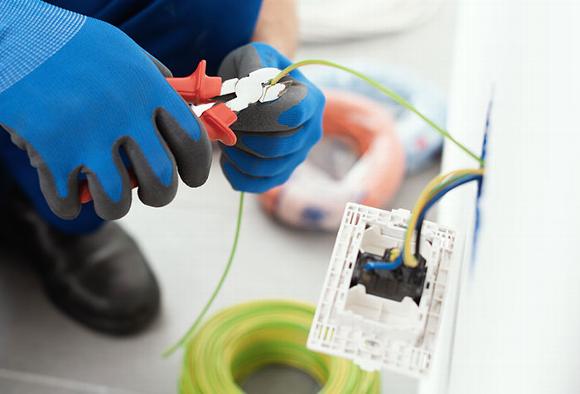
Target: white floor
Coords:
[[43, 352]]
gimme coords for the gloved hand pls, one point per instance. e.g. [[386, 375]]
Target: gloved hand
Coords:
[[83, 99], [275, 137]]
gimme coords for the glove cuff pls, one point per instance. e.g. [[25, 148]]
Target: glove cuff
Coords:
[[31, 31]]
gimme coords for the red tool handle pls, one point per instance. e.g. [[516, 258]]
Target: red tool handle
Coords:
[[197, 88]]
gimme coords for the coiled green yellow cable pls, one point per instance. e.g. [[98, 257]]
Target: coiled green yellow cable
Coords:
[[242, 339]]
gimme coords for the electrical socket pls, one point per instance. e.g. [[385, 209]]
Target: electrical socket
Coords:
[[375, 331]]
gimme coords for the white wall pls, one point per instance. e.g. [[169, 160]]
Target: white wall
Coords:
[[518, 328]]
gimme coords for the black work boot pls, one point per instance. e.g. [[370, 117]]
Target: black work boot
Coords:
[[101, 279]]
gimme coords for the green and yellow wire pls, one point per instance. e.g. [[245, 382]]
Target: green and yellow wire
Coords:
[[242, 339], [188, 335], [387, 92]]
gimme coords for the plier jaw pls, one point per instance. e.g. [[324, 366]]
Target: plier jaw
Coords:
[[217, 103], [254, 88]]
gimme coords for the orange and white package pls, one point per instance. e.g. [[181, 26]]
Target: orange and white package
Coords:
[[361, 136]]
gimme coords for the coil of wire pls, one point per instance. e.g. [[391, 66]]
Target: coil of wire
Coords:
[[240, 340]]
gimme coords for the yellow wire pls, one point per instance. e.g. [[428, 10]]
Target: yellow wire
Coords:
[[408, 257]]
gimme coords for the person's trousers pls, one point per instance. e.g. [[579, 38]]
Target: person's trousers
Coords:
[[15, 168]]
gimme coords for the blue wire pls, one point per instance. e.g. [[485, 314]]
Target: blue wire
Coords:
[[393, 265], [384, 265], [444, 191], [461, 181]]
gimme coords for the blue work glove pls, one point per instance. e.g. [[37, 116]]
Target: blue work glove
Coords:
[[85, 101], [274, 137]]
